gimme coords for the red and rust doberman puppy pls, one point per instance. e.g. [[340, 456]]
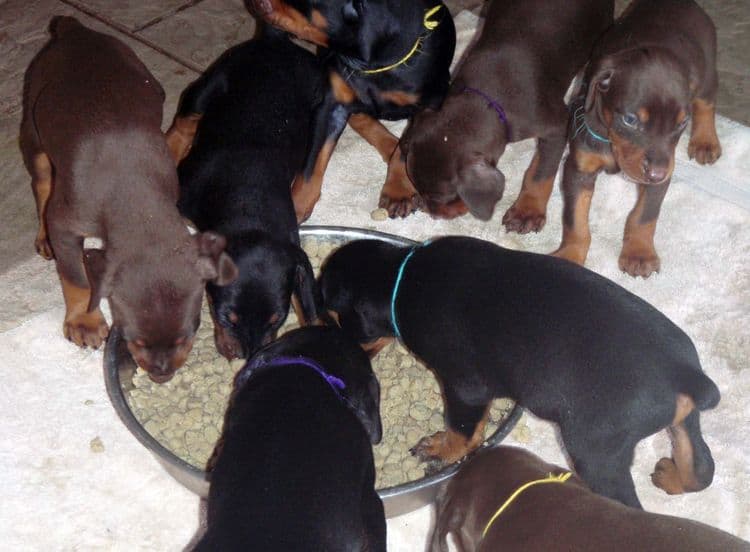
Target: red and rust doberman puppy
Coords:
[[294, 469], [100, 167], [564, 342], [386, 59], [506, 498], [652, 72], [510, 87]]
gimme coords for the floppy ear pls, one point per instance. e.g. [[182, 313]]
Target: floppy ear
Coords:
[[368, 412], [480, 186], [599, 83], [306, 289], [213, 263], [95, 263]]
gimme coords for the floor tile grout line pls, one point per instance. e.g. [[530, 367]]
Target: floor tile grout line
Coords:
[[164, 16], [129, 33]]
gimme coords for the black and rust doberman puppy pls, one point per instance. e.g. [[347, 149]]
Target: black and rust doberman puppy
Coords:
[[571, 346], [554, 510], [510, 87], [256, 104], [294, 468], [386, 59], [648, 75], [100, 167]]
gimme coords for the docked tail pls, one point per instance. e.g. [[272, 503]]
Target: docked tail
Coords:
[[700, 388]]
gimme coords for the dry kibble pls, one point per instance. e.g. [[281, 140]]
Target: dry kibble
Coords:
[[187, 413], [379, 214], [96, 445]]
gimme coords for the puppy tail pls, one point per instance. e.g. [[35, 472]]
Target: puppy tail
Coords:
[[701, 389], [61, 24]]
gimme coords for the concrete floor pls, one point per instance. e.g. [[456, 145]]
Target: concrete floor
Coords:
[[176, 39]]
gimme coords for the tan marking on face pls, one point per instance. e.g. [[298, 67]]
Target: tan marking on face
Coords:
[[374, 347], [643, 115], [343, 93], [628, 156], [400, 98]]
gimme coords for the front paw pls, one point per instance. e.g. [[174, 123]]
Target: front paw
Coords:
[[520, 220], [667, 477], [704, 150], [445, 447], [304, 200], [88, 329], [639, 261], [399, 206]]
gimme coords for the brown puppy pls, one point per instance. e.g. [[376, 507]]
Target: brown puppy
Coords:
[[91, 139], [510, 87], [560, 514], [652, 71]]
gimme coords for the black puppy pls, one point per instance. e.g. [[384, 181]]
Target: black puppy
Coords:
[[571, 346], [254, 107], [294, 468]]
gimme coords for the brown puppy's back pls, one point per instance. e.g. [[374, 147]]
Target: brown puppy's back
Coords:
[[566, 516]]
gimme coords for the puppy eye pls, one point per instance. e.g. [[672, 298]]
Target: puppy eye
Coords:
[[630, 120]]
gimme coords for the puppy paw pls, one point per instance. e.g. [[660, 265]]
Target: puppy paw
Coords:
[[520, 220], [43, 247], [400, 207], [446, 447], [667, 477], [88, 329], [704, 150], [639, 261]]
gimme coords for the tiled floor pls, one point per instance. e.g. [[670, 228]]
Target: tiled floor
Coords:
[[178, 38]]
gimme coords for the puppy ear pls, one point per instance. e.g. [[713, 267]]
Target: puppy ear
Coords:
[[599, 83], [368, 411], [306, 288], [480, 185], [349, 13], [95, 263], [213, 263]]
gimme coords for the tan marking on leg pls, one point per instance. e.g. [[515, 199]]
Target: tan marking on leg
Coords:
[[704, 144], [398, 194], [305, 194], [300, 312], [375, 133], [180, 136], [318, 20], [684, 406], [577, 240], [335, 316], [529, 212], [450, 446], [41, 184], [374, 347], [84, 328], [676, 475], [343, 93], [638, 256], [287, 18]]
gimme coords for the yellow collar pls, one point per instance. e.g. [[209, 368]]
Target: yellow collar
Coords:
[[560, 478], [429, 24]]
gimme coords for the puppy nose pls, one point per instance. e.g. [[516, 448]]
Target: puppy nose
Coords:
[[656, 173]]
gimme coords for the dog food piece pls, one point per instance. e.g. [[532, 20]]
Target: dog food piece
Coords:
[[379, 214], [186, 413], [96, 444]]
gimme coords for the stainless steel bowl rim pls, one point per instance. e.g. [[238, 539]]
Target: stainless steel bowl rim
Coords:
[[396, 499]]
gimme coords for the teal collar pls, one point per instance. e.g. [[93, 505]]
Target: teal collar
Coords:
[[399, 276]]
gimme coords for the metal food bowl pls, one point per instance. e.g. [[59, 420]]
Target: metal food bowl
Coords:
[[119, 368]]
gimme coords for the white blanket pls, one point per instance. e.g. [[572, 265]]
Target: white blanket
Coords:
[[58, 494]]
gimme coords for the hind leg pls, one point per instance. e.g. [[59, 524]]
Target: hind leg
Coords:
[[41, 184], [448, 519], [691, 467], [603, 463]]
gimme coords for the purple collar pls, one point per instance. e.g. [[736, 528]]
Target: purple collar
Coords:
[[337, 384], [494, 104]]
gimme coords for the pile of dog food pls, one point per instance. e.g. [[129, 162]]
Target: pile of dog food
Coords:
[[186, 414]]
